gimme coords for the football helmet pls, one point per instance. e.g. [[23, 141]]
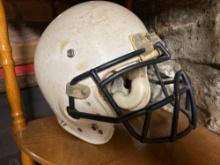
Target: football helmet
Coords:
[[92, 65]]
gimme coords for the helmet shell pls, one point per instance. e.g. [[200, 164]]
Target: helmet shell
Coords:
[[81, 38]]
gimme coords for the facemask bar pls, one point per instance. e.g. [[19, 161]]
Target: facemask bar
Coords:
[[181, 79]]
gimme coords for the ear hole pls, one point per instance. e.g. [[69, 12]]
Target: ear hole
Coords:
[[127, 83]]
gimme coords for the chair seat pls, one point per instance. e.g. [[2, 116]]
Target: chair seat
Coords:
[[47, 143]]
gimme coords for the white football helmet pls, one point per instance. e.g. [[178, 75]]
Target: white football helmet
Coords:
[[90, 85]]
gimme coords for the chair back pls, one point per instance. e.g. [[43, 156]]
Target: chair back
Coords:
[[11, 84]]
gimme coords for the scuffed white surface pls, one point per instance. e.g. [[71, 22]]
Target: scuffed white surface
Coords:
[[98, 32]]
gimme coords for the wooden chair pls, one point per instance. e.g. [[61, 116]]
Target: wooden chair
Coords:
[[44, 141]]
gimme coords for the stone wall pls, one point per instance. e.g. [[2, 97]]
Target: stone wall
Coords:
[[191, 30]]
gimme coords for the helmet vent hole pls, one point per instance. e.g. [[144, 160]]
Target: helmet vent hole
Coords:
[[79, 129], [100, 131], [70, 53], [94, 127]]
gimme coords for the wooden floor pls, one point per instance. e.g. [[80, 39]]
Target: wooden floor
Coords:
[[52, 145]]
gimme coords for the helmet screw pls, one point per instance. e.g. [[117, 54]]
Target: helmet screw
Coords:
[[70, 53]]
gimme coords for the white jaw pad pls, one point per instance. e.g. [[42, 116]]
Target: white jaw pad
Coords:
[[138, 97], [88, 130]]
